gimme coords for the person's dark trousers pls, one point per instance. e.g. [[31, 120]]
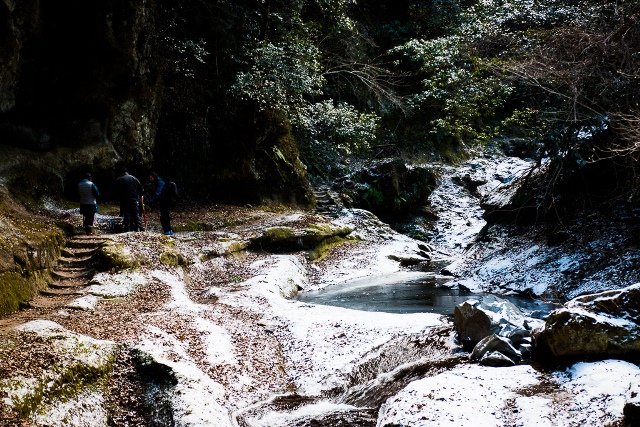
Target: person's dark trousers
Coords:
[[165, 212], [130, 215], [88, 213]]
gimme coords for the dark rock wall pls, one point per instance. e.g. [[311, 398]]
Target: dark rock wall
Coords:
[[80, 86], [389, 189]]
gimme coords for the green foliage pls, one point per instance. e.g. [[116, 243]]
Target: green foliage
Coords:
[[280, 77], [373, 196], [432, 76], [436, 18], [327, 132], [460, 94], [339, 127]]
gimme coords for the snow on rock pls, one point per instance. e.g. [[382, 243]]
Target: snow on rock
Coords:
[[87, 302], [456, 199], [585, 394], [468, 395], [320, 343], [44, 392], [599, 325], [597, 391], [108, 285], [195, 399], [380, 254], [297, 417]]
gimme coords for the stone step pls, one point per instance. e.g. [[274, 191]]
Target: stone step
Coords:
[[73, 270], [66, 260], [64, 275], [78, 253], [44, 303], [84, 243], [69, 283], [54, 292]]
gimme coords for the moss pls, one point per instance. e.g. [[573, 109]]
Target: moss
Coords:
[[279, 233], [173, 259], [327, 230], [116, 257], [324, 247], [68, 385], [64, 382], [226, 247], [14, 290], [28, 251]]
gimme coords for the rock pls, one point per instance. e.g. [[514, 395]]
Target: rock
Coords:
[[495, 358], [286, 239], [631, 409], [526, 350], [602, 325], [474, 320], [507, 202], [472, 324], [28, 251], [67, 384], [388, 188], [494, 343]]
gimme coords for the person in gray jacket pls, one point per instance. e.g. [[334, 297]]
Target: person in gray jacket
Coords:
[[88, 202]]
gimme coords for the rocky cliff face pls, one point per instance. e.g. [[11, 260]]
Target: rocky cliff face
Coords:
[[85, 85], [79, 87]]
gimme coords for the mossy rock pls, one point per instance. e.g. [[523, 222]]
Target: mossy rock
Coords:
[[82, 365], [224, 247], [173, 258], [320, 251], [16, 288], [286, 239], [596, 326], [115, 256], [28, 252]]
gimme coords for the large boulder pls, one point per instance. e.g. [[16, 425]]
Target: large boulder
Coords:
[[476, 319], [601, 325]]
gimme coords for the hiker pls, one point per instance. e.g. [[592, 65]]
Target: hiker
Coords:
[[160, 192], [88, 204], [129, 190]]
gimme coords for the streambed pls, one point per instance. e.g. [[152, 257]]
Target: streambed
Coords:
[[411, 292]]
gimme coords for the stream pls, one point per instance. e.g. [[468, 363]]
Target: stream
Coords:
[[411, 292], [405, 358]]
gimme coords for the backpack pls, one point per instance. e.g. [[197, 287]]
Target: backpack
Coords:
[[172, 189]]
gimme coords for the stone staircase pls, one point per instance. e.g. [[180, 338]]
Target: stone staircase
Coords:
[[76, 267], [72, 275], [327, 202]]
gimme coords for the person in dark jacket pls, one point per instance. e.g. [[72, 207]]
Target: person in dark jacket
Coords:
[[88, 202], [159, 193], [129, 191]]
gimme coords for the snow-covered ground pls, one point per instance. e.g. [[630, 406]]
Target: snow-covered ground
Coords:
[[235, 349]]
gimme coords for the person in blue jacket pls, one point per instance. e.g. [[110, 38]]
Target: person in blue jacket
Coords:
[[159, 193], [88, 202]]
